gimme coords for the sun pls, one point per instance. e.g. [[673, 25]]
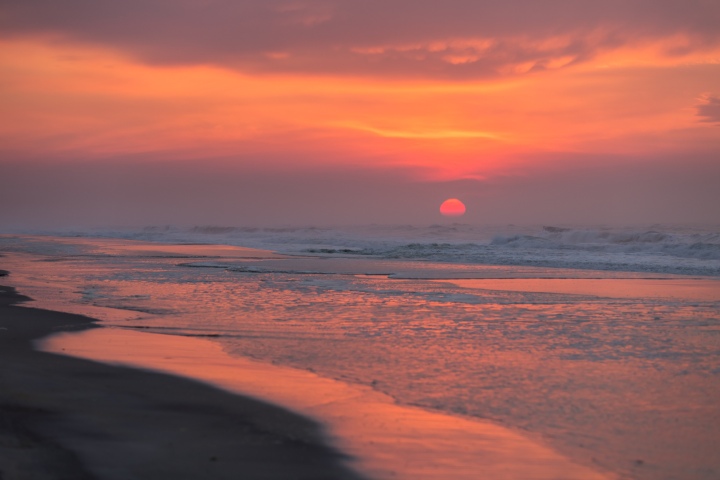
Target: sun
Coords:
[[452, 207]]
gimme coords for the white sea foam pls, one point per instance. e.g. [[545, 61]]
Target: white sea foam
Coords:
[[702, 245]]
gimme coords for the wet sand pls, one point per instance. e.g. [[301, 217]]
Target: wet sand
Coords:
[[69, 418], [389, 441], [433, 444]]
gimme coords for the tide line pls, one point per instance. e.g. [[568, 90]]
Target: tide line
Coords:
[[387, 440]]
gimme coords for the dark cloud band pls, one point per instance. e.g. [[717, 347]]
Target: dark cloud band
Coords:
[[709, 111], [453, 38]]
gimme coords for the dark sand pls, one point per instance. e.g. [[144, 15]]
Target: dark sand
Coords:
[[68, 418]]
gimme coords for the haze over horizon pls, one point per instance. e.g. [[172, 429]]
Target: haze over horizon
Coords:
[[339, 112]]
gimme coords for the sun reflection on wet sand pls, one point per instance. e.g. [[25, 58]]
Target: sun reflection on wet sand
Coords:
[[703, 290], [112, 246], [388, 440], [614, 370]]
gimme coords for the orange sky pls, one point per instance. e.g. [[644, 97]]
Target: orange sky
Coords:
[[435, 98]]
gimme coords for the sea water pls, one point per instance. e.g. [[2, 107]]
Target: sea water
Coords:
[[604, 341]]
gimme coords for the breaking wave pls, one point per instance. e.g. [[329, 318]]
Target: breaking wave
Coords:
[[661, 249], [688, 245]]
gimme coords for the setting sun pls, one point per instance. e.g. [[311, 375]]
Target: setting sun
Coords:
[[452, 207]]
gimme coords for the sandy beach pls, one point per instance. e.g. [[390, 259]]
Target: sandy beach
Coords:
[[68, 418], [187, 359], [139, 414]]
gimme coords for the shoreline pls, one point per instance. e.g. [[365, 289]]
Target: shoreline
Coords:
[[66, 417], [387, 440], [45, 277], [384, 440]]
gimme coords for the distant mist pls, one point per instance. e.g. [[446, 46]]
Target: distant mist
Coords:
[[44, 194]]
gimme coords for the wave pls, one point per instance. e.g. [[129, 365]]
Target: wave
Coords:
[[661, 249], [704, 245]]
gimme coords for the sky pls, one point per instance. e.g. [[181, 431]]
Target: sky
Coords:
[[264, 112]]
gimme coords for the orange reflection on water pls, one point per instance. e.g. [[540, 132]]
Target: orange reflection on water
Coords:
[[389, 440], [606, 381], [109, 246], [672, 289]]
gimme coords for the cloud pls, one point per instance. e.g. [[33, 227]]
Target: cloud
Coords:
[[709, 110], [458, 38]]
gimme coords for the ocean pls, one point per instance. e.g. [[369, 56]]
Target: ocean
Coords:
[[603, 341]]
